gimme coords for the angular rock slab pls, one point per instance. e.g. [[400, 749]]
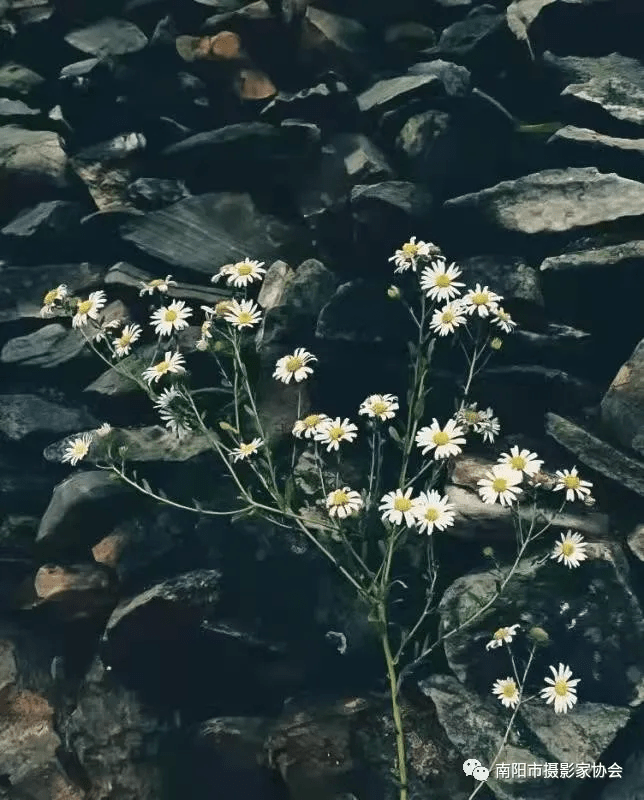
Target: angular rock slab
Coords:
[[597, 454], [622, 408], [581, 147], [476, 728], [23, 415], [108, 37], [551, 202], [591, 614], [205, 232]]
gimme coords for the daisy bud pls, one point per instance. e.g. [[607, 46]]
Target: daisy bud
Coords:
[[488, 552], [393, 293], [539, 636], [218, 346], [222, 307], [589, 501], [496, 343]]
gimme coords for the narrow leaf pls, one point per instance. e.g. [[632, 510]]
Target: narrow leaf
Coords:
[[225, 426]]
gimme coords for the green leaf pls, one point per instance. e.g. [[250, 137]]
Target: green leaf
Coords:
[[225, 426], [419, 408], [395, 436], [412, 350], [430, 351], [248, 410], [289, 490]]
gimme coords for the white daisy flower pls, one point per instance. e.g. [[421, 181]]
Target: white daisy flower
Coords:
[[173, 418], [469, 416], [522, 460], [168, 319], [439, 281], [156, 285], [572, 483], [501, 483], [481, 301], [409, 254], [396, 507], [447, 319], [503, 635], [245, 450], [77, 449], [242, 273], [129, 335], [294, 366], [507, 692], [244, 314], [206, 329], [444, 441], [104, 328], [104, 430], [308, 426], [488, 425], [432, 510], [343, 502], [52, 297], [382, 406], [561, 691], [503, 320], [166, 397], [88, 309], [333, 431], [571, 549], [173, 362]]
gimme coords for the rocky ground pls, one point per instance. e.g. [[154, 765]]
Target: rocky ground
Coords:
[[147, 654]]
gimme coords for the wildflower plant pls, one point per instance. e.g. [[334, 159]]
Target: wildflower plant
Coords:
[[378, 533]]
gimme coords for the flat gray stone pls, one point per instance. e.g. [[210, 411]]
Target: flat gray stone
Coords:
[[622, 407], [23, 415], [581, 147], [108, 37]]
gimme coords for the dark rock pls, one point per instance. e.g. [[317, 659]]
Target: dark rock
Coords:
[[597, 454], [553, 345], [22, 488], [16, 111], [477, 727], [393, 93], [456, 80], [73, 591], [24, 415], [32, 164], [580, 147], [108, 37], [344, 41], [635, 542], [346, 160], [608, 104], [53, 226], [593, 600], [409, 37], [116, 740], [329, 104], [552, 202], [623, 405], [124, 274], [485, 523], [429, 146], [570, 284], [17, 80], [361, 313], [202, 233], [512, 278], [151, 194], [480, 40], [95, 495], [385, 214], [582, 69], [22, 290]]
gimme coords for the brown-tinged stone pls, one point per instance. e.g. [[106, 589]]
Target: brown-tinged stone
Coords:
[[109, 549], [226, 46], [76, 590], [251, 84]]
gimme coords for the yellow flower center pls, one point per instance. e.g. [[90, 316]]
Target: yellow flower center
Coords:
[[339, 498], [571, 482], [294, 363], [247, 449], [336, 433], [443, 281], [244, 269], [244, 318], [501, 634], [499, 485], [440, 438], [567, 548], [124, 340], [80, 448], [496, 343], [471, 416], [312, 420], [162, 367], [480, 298], [402, 504], [222, 307], [517, 462], [84, 307], [156, 282], [410, 249], [431, 515], [561, 688], [170, 315], [509, 690], [379, 407], [50, 297]]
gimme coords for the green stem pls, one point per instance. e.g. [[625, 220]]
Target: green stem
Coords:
[[401, 766]]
